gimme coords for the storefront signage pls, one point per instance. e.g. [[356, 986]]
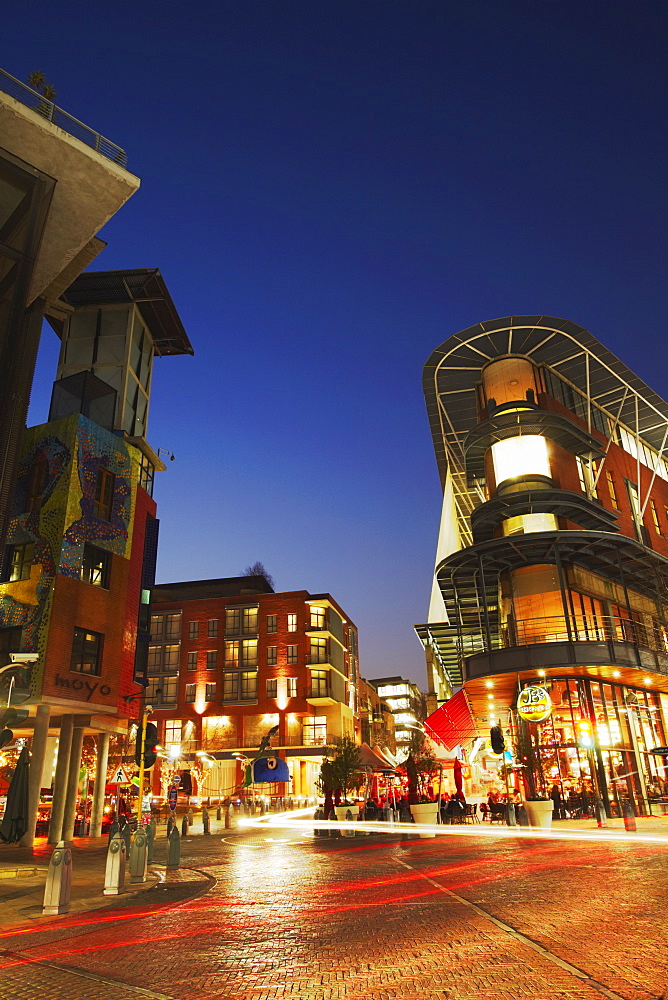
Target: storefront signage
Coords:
[[534, 704]]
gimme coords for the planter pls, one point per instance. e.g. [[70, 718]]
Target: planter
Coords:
[[425, 812], [341, 816], [539, 813]]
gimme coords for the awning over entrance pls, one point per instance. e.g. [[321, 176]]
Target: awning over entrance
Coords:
[[453, 723]]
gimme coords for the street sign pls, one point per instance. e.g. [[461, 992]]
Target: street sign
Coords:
[[120, 777], [662, 751], [172, 796], [177, 780]]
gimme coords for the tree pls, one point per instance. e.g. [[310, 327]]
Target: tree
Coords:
[[344, 771], [37, 81], [257, 569]]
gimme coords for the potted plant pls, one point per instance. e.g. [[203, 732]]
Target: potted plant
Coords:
[[347, 776], [537, 804], [421, 765]]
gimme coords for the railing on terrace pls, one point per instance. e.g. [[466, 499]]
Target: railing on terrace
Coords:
[[52, 113], [650, 634]]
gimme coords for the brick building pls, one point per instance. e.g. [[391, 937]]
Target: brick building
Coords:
[[230, 659]]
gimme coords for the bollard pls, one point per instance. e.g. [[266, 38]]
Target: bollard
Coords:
[[126, 834], [174, 855], [58, 882], [522, 817], [190, 817], [228, 818], [171, 823], [262, 809], [511, 816], [184, 826], [219, 813], [114, 873], [113, 829], [206, 823], [150, 840], [318, 814], [139, 855], [601, 818], [629, 816]]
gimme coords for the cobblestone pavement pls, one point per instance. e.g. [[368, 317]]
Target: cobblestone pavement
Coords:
[[290, 916]]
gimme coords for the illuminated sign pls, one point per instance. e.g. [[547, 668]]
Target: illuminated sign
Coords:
[[534, 704]]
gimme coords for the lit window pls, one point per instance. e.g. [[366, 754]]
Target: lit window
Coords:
[[193, 630], [170, 657], [232, 653], [525, 524], [318, 617], [612, 489], [318, 651], [192, 661], [86, 652], [173, 625], [162, 690], [318, 683], [95, 566], [231, 687], [211, 657], [248, 684], [191, 691], [291, 655], [21, 558], [272, 623], [104, 494], [655, 517], [292, 687], [315, 731], [520, 456], [213, 628], [272, 658], [249, 653], [210, 692], [172, 733], [249, 621], [232, 621], [292, 623], [272, 687]]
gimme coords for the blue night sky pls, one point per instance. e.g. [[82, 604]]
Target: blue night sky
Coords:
[[332, 189]]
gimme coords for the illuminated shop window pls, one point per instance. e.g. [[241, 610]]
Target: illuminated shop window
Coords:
[[520, 456]]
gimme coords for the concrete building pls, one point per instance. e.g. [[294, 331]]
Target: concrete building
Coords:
[[230, 659], [406, 703], [376, 720], [548, 612], [79, 563]]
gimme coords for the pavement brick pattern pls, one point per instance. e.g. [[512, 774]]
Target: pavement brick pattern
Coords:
[[367, 919]]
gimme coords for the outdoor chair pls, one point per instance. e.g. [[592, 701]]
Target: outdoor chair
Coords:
[[497, 812]]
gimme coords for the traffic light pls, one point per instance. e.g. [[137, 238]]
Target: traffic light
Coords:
[[496, 739], [150, 745], [10, 717], [585, 737]]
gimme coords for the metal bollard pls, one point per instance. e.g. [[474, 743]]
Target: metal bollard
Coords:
[[262, 809], [126, 834], [219, 813], [511, 815], [174, 855], [522, 817], [601, 818], [139, 856], [171, 823], [114, 828], [190, 817], [114, 873], [228, 818], [184, 826], [629, 816], [150, 840], [206, 824], [58, 882], [335, 818], [318, 814]]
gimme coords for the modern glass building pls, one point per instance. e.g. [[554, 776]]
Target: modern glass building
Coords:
[[552, 564]]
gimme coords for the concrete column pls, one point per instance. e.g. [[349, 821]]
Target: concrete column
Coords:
[[60, 780], [70, 812], [100, 782], [37, 757]]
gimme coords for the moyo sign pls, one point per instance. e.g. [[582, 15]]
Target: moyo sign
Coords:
[[534, 704]]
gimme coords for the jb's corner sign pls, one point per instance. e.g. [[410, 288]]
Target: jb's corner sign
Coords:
[[534, 704]]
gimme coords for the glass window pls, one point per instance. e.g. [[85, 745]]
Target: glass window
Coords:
[[154, 658], [170, 660], [272, 623], [318, 617], [291, 656], [272, 687], [21, 558], [520, 456], [157, 626], [230, 687], [272, 658], [315, 730], [211, 657], [210, 692], [173, 731], [318, 683], [249, 653], [248, 684], [249, 621], [292, 687], [95, 566], [191, 691], [86, 655], [173, 625], [232, 653], [232, 621], [655, 517], [612, 489], [162, 690], [192, 661], [104, 494], [318, 651], [292, 623], [193, 630], [213, 628], [37, 477]]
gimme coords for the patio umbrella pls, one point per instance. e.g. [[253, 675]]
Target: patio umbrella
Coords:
[[458, 775], [15, 820]]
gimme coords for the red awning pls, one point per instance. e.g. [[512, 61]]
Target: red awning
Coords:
[[453, 723]]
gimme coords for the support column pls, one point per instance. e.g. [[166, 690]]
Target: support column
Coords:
[[60, 780], [100, 782], [37, 758], [70, 812]]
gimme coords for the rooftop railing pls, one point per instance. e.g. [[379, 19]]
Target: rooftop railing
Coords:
[[52, 113]]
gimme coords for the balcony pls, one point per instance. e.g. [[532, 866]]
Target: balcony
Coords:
[[52, 113], [320, 694]]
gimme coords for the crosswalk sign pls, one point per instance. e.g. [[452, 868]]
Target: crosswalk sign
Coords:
[[119, 777]]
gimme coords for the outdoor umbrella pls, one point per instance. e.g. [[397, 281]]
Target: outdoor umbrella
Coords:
[[458, 775], [15, 821]]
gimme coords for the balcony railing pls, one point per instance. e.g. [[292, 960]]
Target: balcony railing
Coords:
[[319, 691], [52, 113]]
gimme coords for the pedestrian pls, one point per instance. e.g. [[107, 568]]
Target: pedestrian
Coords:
[[557, 802]]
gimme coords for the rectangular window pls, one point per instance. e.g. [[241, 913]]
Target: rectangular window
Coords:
[[232, 621], [232, 653], [315, 731], [231, 687], [154, 658], [318, 651], [170, 658], [211, 657], [292, 687], [162, 690], [249, 653], [173, 625], [213, 628], [95, 566], [37, 477], [272, 623], [655, 517], [292, 623], [272, 687], [291, 655], [21, 558], [587, 475], [612, 489], [104, 494], [272, 658], [318, 617], [249, 621], [192, 661], [193, 630], [634, 500], [157, 624], [318, 683], [86, 652], [210, 692], [173, 731], [191, 691], [248, 684]]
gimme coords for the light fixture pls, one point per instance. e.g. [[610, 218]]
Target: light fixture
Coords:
[[489, 684], [647, 680], [541, 673], [616, 673]]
